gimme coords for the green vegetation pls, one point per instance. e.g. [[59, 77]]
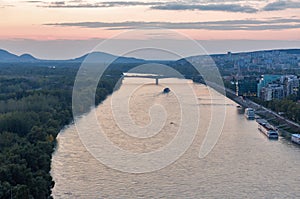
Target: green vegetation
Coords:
[[35, 104], [288, 107]]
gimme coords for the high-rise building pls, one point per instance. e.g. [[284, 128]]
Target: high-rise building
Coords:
[[290, 84], [272, 91], [265, 80], [246, 87], [277, 87]]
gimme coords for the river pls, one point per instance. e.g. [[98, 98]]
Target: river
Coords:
[[243, 163]]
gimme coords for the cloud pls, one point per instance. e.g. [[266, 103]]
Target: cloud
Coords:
[[281, 5], [105, 4], [251, 24], [242, 6], [131, 3], [6, 6], [34, 1], [58, 3], [207, 7]]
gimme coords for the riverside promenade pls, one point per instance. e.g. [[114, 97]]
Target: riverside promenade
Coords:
[[274, 118]]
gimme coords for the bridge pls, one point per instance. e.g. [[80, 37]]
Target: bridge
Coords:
[[156, 77]]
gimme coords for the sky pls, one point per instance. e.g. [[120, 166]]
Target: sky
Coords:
[[65, 29]]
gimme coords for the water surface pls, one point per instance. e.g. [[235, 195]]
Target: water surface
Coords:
[[243, 164]]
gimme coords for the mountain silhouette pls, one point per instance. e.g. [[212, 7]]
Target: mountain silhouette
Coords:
[[94, 57]]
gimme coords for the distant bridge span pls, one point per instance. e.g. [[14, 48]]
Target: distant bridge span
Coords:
[[156, 77]]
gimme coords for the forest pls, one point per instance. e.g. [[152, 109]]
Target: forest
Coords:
[[35, 104]]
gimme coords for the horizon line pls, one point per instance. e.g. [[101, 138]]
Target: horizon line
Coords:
[[118, 56]]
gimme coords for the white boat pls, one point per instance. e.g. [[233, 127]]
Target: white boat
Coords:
[[267, 129], [249, 114], [296, 138]]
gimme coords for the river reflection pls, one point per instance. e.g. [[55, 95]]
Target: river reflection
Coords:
[[243, 164]]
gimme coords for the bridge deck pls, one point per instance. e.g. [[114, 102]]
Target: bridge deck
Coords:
[[150, 76]]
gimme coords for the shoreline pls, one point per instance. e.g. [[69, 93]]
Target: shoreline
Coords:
[[65, 127], [261, 111]]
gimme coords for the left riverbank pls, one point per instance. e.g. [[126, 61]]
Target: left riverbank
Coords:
[[35, 104]]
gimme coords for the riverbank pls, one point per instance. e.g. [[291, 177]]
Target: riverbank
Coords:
[[285, 126], [35, 106]]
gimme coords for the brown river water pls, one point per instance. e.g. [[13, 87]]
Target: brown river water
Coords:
[[242, 164]]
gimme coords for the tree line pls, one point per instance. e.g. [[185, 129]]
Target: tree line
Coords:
[[35, 104]]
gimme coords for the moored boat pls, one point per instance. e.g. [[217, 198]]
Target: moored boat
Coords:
[[267, 129], [249, 114], [296, 138]]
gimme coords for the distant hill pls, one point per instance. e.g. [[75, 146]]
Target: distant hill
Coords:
[[95, 57], [288, 51], [6, 56], [291, 51], [27, 58], [98, 57]]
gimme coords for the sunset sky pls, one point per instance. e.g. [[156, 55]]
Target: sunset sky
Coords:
[[36, 23]]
